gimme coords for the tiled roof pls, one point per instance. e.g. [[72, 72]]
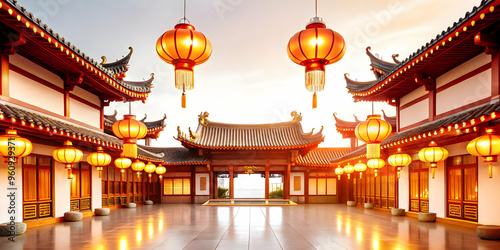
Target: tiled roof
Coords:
[[140, 86], [179, 156], [445, 127], [109, 120], [354, 85], [378, 64], [339, 123], [321, 156], [47, 126], [391, 120], [120, 65], [154, 124], [448, 49], [360, 152], [286, 135]]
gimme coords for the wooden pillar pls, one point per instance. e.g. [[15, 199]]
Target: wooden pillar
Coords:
[[66, 102], [231, 182], [267, 180], [147, 141], [495, 76], [432, 102], [4, 71], [287, 183], [354, 143], [210, 182], [306, 185], [193, 184], [398, 116]]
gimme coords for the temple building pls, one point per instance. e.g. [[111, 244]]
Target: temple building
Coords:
[[447, 92]]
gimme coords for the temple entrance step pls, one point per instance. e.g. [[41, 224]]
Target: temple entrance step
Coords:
[[249, 202]]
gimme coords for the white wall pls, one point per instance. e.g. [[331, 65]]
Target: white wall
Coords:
[[488, 197], [415, 113], [33, 68], [437, 191], [292, 183], [4, 201], [83, 113], [404, 188], [417, 93], [84, 94]]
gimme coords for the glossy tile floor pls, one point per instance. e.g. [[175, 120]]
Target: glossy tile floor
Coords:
[[210, 227]]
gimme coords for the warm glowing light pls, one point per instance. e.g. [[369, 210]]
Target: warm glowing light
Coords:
[[22, 146], [99, 159], [486, 146], [433, 154], [67, 155], [129, 129], [373, 131]]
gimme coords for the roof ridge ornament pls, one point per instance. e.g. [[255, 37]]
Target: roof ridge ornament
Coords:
[[192, 135], [297, 117], [202, 118]]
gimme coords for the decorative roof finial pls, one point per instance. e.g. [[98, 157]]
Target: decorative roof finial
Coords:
[[297, 117], [202, 118]]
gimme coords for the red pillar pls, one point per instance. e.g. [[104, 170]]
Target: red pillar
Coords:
[[231, 182], [4, 71], [287, 182], [267, 181], [306, 185], [495, 75]]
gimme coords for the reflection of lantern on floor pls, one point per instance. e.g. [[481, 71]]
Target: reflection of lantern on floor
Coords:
[[486, 146], [433, 154], [99, 159], [360, 167], [339, 171], [14, 146], [315, 47], [399, 160], [67, 155]]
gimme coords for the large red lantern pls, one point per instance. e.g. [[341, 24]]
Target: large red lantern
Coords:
[[99, 159], [486, 146], [129, 129], [433, 154], [184, 48], [13, 145], [373, 131], [315, 47], [67, 155]]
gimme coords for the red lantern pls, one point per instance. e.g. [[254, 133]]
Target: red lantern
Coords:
[[360, 167], [99, 159], [160, 170], [122, 163], [348, 169], [486, 146], [184, 48], [315, 47], [129, 129], [149, 168], [375, 164], [67, 155], [373, 131], [433, 154], [13, 145], [339, 171], [399, 160]]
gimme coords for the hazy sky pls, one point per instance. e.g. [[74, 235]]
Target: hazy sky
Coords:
[[249, 77]]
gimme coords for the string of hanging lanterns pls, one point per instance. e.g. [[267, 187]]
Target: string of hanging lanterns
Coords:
[[184, 48], [315, 47]]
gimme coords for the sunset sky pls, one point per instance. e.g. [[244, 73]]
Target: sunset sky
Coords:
[[249, 77]]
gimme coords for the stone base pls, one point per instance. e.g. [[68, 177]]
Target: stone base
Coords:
[[130, 205], [73, 216], [398, 211], [427, 217], [148, 202], [102, 211], [488, 232], [19, 228], [351, 203], [369, 205]]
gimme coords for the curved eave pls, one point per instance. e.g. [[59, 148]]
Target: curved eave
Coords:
[[380, 65], [51, 51], [353, 85], [339, 123], [449, 49], [120, 65], [187, 143], [140, 86]]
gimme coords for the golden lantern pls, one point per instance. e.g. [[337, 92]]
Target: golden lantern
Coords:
[[373, 131], [433, 154], [348, 169], [67, 155], [13, 145], [315, 47], [339, 171], [360, 167], [99, 159], [149, 168], [399, 160], [122, 163], [160, 170], [375, 164], [138, 166], [184, 48], [129, 129], [486, 146]]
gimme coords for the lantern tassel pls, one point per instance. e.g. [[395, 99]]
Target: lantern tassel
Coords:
[[376, 173], [70, 174], [100, 173], [433, 172], [348, 176], [183, 100], [315, 101], [130, 150], [398, 174], [490, 171], [360, 175]]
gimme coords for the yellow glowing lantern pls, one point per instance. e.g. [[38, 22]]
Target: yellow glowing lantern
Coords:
[[123, 163], [99, 159], [373, 131], [339, 171], [138, 166], [13, 145], [360, 167], [129, 129], [184, 48], [348, 169], [399, 160], [149, 168], [375, 164], [433, 154], [315, 47], [67, 155], [160, 170], [486, 146]]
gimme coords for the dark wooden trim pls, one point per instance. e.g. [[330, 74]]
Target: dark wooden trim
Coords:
[[464, 77], [398, 116], [495, 75], [462, 108], [432, 103], [415, 125], [35, 78], [231, 181], [4, 73], [66, 103], [413, 102], [266, 188]]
